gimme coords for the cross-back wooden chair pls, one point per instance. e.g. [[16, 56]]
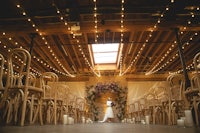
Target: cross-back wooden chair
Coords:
[[71, 105], [18, 89], [2, 88], [80, 109], [60, 95], [2, 61], [130, 110], [48, 82], [151, 103], [193, 92], [137, 111], [176, 97]]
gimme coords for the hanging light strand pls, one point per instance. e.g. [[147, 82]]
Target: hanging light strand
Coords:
[[63, 19], [188, 43], [154, 70], [98, 74], [95, 21], [122, 38], [77, 41], [34, 57], [172, 58], [16, 44], [44, 39], [154, 28]]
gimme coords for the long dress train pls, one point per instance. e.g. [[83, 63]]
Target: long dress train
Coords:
[[109, 112]]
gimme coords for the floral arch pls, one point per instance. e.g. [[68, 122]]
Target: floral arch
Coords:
[[95, 91]]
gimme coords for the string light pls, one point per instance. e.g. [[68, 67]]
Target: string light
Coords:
[[122, 37], [154, 70], [98, 74], [169, 60], [148, 38], [35, 72], [34, 57], [45, 40], [77, 41], [95, 21]]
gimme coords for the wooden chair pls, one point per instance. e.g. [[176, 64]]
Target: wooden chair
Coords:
[[18, 88], [60, 94], [193, 93], [51, 100], [71, 103], [2, 88], [161, 99], [130, 110], [151, 105], [34, 102], [196, 61], [2, 61], [66, 90], [176, 100], [137, 111], [80, 109]]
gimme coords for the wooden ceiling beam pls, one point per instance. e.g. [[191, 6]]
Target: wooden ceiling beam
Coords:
[[59, 28], [46, 56]]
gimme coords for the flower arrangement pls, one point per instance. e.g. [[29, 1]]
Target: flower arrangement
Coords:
[[92, 92]]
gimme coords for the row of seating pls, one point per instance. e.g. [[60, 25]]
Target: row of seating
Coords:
[[169, 106], [25, 99]]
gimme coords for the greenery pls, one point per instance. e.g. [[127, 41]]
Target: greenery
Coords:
[[93, 92]]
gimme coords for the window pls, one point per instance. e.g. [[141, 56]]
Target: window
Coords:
[[105, 53]]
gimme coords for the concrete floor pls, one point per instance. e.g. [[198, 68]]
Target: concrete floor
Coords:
[[99, 128]]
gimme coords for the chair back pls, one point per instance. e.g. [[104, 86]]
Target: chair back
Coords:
[[71, 100], [195, 81], [2, 61], [18, 73], [46, 79], [63, 91], [136, 106], [80, 103], [196, 61], [131, 108], [177, 86]]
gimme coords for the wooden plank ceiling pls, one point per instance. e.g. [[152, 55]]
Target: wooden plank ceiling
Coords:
[[59, 45]]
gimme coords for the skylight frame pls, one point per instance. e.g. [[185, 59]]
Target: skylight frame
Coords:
[[105, 53]]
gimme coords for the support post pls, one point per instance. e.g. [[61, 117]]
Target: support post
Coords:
[[181, 55], [32, 35]]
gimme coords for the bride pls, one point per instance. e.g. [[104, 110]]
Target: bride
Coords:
[[109, 111]]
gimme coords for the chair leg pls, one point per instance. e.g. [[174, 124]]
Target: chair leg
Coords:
[[55, 112], [195, 104], [10, 108], [35, 114], [16, 107], [31, 110], [23, 113], [4, 111], [40, 112], [48, 115]]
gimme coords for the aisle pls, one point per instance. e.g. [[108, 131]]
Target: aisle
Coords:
[[99, 128]]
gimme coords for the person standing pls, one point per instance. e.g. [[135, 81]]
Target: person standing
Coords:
[[109, 111]]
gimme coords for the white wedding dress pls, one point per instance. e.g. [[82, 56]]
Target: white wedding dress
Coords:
[[109, 112]]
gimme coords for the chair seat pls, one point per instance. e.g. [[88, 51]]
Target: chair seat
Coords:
[[2, 89], [192, 91], [30, 88]]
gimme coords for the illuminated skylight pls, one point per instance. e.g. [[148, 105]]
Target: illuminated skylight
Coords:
[[105, 53]]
